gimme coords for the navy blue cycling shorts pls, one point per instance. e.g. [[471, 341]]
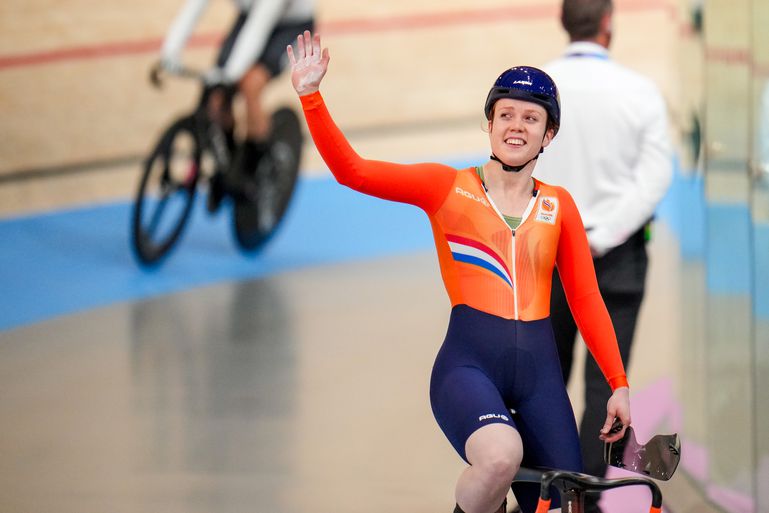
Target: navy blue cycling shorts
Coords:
[[495, 370]]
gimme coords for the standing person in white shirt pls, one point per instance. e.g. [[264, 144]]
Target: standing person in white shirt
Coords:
[[613, 154], [250, 56]]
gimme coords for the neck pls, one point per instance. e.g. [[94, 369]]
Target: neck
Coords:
[[602, 39], [510, 183]]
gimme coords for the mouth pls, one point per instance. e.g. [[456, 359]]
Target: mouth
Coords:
[[515, 142]]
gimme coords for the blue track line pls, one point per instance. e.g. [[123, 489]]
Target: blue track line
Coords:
[[61, 263], [65, 262]]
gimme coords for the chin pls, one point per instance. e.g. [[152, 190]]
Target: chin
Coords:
[[517, 159]]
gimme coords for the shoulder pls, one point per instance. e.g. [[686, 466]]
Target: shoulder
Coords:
[[553, 203], [564, 202], [464, 181], [555, 65], [557, 191], [604, 74], [465, 172], [443, 172], [564, 207], [438, 168], [633, 80]]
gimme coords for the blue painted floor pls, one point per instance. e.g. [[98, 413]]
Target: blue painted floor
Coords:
[[65, 262]]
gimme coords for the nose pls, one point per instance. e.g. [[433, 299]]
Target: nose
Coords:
[[516, 124]]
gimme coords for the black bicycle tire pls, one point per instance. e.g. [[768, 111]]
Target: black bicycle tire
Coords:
[[147, 251], [249, 236]]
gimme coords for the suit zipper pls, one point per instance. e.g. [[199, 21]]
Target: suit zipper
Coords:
[[525, 215]]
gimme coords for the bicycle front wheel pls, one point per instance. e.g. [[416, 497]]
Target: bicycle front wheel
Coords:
[[266, 192], [166, 192]]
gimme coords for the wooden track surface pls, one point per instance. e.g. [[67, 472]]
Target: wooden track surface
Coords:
[[407, 80]]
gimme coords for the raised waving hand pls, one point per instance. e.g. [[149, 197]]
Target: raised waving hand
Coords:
[[308, 69]]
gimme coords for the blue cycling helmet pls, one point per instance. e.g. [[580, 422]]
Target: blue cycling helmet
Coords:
[[531, 85]]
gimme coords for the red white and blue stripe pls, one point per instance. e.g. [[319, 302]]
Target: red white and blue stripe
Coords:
[[472, 252]]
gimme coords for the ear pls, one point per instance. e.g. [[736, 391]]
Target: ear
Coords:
[[606, 23], [549, 134]]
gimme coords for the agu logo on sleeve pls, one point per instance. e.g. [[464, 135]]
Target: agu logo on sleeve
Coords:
[[547, 209]]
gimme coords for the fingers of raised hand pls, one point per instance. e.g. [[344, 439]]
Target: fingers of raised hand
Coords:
[[316, 46], [311, 47], [308, 48], [300, 46]]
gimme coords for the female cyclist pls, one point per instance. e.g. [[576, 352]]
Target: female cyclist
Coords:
[[496, 388]]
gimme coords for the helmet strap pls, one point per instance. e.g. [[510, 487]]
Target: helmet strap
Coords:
[[517, 169], [509, 168]]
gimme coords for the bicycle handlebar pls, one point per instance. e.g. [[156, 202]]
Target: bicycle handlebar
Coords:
[[564, 481], [158, 70]]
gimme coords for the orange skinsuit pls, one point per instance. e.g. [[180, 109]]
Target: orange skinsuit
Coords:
[[485, 264]]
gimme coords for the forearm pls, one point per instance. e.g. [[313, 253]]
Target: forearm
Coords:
[[181, 29], [575, 267], [596, 328], [345, 164]]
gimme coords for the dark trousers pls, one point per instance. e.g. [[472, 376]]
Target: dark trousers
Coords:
[[621, 277]]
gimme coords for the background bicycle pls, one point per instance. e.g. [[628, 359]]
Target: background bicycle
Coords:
[[196, 148]]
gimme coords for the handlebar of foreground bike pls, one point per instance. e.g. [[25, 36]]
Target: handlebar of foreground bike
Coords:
[[565, 481]]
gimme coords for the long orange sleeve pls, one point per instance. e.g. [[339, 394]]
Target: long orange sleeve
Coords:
[[575, 266], [423, 185]]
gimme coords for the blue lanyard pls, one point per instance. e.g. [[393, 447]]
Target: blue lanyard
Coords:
[[601, 56]]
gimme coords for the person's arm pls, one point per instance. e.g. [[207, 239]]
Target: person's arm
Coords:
[[423, 185], [262, 18], [575, 267], [652, 174], [180, 31]]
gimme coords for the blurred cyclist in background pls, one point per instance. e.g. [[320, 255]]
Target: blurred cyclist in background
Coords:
[[252, 54]]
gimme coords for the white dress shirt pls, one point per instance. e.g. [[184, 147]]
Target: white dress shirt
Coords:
[[263, 16], [612, 152]]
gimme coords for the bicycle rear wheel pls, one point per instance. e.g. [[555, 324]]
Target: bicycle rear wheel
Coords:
[[166, 192], [265, 193]]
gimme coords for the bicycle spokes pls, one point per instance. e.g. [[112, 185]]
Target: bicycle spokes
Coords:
[[162, 208], [264, 197]]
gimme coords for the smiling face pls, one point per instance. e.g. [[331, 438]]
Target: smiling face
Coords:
[[517, 130]]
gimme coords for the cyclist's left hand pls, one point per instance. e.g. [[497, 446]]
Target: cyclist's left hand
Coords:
[[618, 408], [214, 77]]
